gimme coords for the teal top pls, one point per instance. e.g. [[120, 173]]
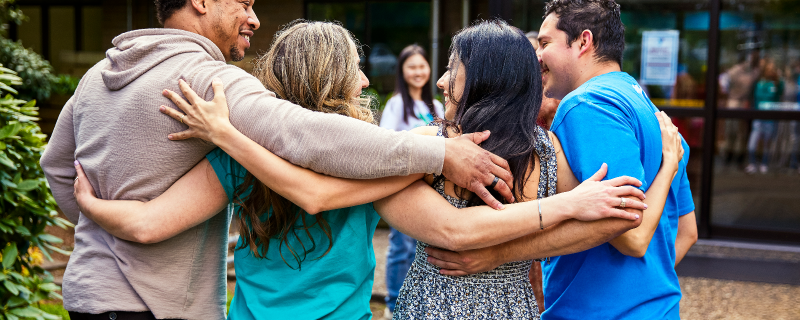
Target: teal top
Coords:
[[336, 286]]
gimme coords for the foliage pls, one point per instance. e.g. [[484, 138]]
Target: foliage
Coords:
[[9, 14], [37, 72], [26, 208]]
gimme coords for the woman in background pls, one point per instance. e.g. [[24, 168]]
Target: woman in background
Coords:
[[411, 106]]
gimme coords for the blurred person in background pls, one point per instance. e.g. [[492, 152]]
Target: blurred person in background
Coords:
[[411, 106], [768, 89], [741, 79]]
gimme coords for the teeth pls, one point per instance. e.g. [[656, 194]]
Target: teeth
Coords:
[[246, 37]]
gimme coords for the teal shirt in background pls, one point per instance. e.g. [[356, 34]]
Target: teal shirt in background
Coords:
[[336, 286]]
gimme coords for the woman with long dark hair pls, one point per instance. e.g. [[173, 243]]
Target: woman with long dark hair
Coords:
[[493, 83], [411, 106]]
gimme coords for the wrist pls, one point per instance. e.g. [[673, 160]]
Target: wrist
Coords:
[[222, 133]]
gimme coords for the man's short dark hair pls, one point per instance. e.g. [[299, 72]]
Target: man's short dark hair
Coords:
[[601, 17], [165, 8]]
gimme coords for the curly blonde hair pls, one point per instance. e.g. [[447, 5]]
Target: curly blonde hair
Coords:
[[314, 65]]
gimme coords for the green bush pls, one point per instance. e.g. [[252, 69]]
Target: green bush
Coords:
[[37, 72], [26, 208]]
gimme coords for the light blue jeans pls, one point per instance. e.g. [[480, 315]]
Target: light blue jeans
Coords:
[[398, 261]]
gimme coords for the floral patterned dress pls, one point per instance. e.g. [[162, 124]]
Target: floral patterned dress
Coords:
[[502, 293]]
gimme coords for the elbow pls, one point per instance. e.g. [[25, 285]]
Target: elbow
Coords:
[[455, 239], [636, 248], [144, 237]]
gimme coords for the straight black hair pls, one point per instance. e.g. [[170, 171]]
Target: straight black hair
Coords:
[[601, 17], [502, 93], [401, 87]]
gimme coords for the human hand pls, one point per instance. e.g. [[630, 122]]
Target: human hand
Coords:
[[464, 263], [471, 167], [83, 191], [595, 199], [672, 149], [207, 120]]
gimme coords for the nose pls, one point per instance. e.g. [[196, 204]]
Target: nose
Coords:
[[364, 80], [441, 81], [252, 19], [539, 54]]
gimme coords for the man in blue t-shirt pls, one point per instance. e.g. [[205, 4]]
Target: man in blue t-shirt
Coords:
[[604, 117]]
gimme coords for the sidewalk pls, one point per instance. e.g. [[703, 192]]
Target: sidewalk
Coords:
[[719, 280]]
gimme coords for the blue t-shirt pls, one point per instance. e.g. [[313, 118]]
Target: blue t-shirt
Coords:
[[336, 286], [610, 119]]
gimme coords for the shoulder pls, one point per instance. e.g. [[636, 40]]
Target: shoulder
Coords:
[[426, 130]]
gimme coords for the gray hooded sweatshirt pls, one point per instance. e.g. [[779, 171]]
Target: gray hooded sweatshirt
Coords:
[[113, 127]]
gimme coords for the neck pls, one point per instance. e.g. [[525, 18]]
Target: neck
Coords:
[[415, 93], [589, 69]]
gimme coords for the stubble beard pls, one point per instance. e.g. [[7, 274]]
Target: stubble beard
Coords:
[[234, 53]]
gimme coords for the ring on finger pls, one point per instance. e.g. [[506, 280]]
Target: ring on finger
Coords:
[[494, 182], [622, 202], [76, 180], [181, 119]]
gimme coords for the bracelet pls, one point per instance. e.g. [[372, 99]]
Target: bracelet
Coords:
[[541, 224]]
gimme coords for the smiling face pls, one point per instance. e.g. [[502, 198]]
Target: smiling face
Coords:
[[233, 23], [557, 59], [456, 75], [416, 71]]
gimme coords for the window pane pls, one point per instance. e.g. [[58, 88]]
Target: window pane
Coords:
[[667, 49]]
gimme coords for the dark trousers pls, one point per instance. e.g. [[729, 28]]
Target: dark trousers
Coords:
[[113, 315]]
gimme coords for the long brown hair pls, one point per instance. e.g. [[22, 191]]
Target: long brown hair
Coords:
[[315, 65]]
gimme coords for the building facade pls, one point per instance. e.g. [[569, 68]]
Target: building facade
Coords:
[[726, 71]]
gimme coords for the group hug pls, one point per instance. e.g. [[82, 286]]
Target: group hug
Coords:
[[164, 144]]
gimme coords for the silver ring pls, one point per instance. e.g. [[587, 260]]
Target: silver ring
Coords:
[[76, 180], [622, 202], [494, 182], [181, 119]]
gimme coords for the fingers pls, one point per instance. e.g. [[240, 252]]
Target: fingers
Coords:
[[174, 114], [629, 203], [480, 190], [219, 91], [600, 174], [79, 170], [628, 191], [501, 169], [176, 99], [442, 263], [619, 213], [183, 135], [190, 95], [504, 190], [453, 273], [622, 181], [478, 137]]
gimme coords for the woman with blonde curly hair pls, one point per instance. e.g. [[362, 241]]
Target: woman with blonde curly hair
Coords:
[[305, 249]]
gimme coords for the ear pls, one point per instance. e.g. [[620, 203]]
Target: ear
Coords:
[[586, 40], [199, 5]]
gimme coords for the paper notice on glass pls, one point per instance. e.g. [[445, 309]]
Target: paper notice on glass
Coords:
[[659, 57]]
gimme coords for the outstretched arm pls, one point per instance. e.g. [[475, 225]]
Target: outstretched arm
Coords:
[[420, 212], [199, 195], [464, 162], [635, 242]]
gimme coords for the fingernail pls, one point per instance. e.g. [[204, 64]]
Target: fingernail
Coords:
[[165, 92], [77, 163], [169, 137], [217, 80], [500, 206], [637, 216], [162, 108], [645, 206]]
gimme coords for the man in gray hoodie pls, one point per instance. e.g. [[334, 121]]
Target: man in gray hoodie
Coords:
[[113, 126]]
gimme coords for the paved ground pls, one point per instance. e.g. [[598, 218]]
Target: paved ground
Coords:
[[703, 297]]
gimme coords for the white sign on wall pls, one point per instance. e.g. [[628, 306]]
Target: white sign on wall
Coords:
[[659, 57]]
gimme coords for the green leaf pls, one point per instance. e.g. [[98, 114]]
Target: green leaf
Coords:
[[57, 249], [9, 255], [27, 312], [11, 317], [23, 231], [10, 130], [3, 276], [28, 185], [4, 160], [11, 287], [50, 238], [50, 287], [5, 228], [15, 301]]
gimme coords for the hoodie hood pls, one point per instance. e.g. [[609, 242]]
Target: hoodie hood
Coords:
[[138, 51]]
